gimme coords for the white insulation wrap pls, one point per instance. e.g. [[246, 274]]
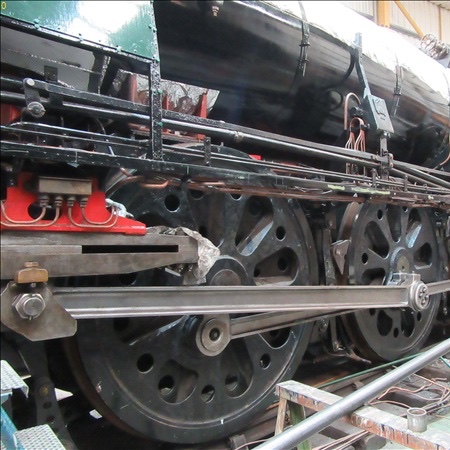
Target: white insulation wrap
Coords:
[[382, 45]]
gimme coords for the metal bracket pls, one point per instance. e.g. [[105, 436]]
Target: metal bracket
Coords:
[[304, 44], [33, 99], [31, 273], [207, 150], [51, 74], [46, 318], [330, 273], [397, 90], [387, 159], [339, 251], [375, 108]]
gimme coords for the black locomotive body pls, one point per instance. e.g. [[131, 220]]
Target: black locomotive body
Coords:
[[171, 246]]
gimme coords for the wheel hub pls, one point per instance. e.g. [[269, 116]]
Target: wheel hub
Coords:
[[213, 335], [228, 272], [401, 261]]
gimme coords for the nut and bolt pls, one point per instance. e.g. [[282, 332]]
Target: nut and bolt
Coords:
[[29, 306], [214, 334], [423, 296], [44, 390], [36, 109], [419, 296], [323, 325]]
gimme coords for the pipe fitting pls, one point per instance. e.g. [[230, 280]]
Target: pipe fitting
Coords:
[[417, 419]]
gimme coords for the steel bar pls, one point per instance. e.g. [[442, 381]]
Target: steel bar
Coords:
[[74, 254], [70, 264], [281, 185], [368, 418], [240, 134], [124, 108], [261, 323], [438, 287], [98, 302], [304, 430]]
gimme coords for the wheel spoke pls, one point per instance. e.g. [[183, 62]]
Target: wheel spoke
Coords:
[[208, 215], [383, 223], [404, 217], [372, 260], [254, 225], [414, 237]]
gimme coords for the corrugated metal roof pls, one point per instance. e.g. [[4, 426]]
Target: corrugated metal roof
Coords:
[[445, 5]]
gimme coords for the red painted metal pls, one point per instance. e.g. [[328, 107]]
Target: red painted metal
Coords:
[[9, 113], [202, 111], [19, 201]]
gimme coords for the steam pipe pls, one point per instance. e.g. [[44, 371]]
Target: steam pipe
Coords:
[[317, 422], [233, 133]]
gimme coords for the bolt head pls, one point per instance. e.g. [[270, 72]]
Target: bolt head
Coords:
[[36, 109], [29, 306], [323, 325]]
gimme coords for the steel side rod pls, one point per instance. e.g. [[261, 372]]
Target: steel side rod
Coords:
[[317, 422], [84, 303]]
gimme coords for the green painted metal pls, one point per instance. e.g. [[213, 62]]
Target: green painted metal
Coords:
[[126, 26], [298, 415]]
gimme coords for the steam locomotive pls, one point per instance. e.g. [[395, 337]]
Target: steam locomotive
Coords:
[[192, 192]]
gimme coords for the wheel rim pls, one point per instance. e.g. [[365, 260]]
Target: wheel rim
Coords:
[[384, 240], [149, 374]]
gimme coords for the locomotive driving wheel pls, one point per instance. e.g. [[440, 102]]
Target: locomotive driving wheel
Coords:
[[386, 239], [147, 374]]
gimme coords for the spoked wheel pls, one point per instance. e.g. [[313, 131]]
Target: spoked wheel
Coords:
[[148, 373], [384, 240]]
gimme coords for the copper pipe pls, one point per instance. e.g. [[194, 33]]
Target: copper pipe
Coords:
[[155, 186], [113, 213], [25, 222], [34, 225], [347, 98], [80, 225]]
